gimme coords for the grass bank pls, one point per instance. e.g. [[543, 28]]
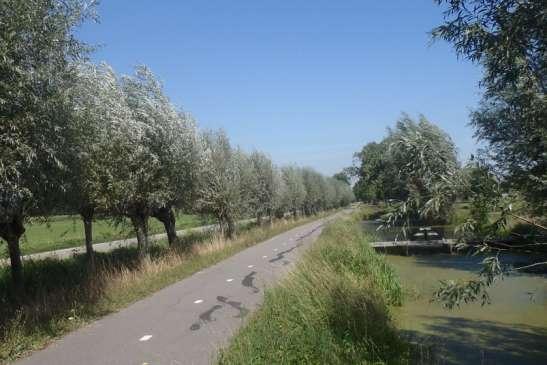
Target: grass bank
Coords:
[[334, 308], [67, 231], [63, 295]]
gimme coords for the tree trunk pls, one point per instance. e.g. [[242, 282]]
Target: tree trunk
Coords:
[[140, 223], [12, 232], [16, 264], [87, 218], [167, 217], [258, 219], [221, 226], [230, 228]]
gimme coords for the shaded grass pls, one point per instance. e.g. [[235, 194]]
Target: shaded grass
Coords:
[[372, 212], [62, 295], [333, 309], [67, 231]]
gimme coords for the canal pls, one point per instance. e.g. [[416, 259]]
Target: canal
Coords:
[[511, 330]]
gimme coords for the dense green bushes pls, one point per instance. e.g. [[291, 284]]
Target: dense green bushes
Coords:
[[333, 309]]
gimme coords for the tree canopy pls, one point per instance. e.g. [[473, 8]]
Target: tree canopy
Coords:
[[507, 38], [37, 55]]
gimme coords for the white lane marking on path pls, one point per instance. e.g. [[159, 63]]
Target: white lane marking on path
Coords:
[[275, 249], [250, 266], [199, 301], [229, 280], [145, 338], [264, 257]]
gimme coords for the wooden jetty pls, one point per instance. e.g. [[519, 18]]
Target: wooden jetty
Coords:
[[415, 247]]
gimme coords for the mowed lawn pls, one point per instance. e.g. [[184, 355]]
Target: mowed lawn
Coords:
[[67, 231]]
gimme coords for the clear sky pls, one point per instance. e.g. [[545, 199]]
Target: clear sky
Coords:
[[308, 82]]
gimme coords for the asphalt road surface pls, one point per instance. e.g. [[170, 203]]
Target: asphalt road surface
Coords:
[[187, 322]]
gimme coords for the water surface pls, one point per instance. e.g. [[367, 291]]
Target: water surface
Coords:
[[512, 330]]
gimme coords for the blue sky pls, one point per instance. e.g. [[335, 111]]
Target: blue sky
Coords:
[[308, 82]]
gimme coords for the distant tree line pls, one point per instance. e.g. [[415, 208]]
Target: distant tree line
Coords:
[[76, 137]]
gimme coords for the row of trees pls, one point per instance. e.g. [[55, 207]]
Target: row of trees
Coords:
[[76, 137]]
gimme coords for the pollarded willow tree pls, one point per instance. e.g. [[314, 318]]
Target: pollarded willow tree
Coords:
[[36, 50], [339, 193], [169, 155], [279, 201], [295, 190], [221, 189], [98, 111], [264, 187], [172, 139], [315, 191], [180, 156]]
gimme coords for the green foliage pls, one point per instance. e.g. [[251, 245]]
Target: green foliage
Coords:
[[36, 48], [333, 309], [453, 294], [414, 168], [507, 38], [295, 190], [223, 180], [378, 178], [343, 176]]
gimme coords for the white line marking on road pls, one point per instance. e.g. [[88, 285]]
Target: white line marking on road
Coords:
[[229, 280], [250, 266], [275, 249], [264, 257], [199, 301], [145, 338]]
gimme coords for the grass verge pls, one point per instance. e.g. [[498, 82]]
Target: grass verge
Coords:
[[334, 308], [63, 295], [67, 231]]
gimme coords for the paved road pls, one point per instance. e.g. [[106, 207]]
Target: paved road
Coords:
[[187, 322]]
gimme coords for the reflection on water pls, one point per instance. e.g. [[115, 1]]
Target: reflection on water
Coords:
[[512, 330]]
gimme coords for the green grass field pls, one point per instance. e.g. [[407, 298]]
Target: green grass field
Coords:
[[333, 309], [66, 231]]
